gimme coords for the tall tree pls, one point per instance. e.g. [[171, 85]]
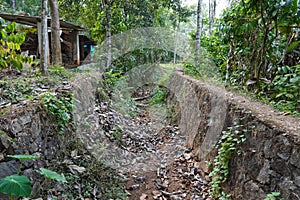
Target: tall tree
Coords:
[[13, 5], [199, 25], [106, 6], [55, 33], [44, 38], [179, 14], [212, 14]]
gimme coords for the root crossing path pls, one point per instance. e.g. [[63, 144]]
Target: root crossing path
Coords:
[[145, 148]]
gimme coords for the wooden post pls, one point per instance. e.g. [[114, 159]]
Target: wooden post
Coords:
[[81, 47], [39, 29], [76, 48]]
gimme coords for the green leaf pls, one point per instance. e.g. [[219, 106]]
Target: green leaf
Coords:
[[15, 185], [295, 79], [291, 96], [17, 64], [52, 175], [24, 157], [292, 46]]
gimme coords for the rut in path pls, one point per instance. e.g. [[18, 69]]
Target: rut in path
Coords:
[[147, 150]]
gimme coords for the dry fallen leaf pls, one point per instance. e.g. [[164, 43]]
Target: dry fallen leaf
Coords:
[[143, 197], [75, 168]]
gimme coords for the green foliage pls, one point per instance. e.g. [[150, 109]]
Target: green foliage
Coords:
[[52, 175], [124, 14], [123, 100], [97, 177], [10, 43], [191, 69], [111, 77], [256, 43], [23, 157], [21, 7], [201, 68], [138, 57], [227, 145], [60, 107], [159, 95], [28, 85], [217, 51], [16, 185], [284, 91], [114, 76], [117, 134], [272, 196]]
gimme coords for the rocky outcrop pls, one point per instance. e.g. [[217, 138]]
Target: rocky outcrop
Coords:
[[270, 158], [27, 129]]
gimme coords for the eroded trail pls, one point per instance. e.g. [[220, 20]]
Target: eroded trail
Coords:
[[147, 149], [181, 179]]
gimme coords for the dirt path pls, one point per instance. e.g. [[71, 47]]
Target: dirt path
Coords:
[[149, 151], [182, 179]]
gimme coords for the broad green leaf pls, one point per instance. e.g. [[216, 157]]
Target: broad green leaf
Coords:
[[289, 95], [17, 64], [52, 175], [24, 157], [10, 27], [15, 185], [295, 79]]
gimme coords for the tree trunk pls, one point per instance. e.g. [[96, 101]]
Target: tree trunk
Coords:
[[13, 5], [228, 63], [175, 40], [212, 14], [106, 4], [55, 33], [44, 39], [199, 26]]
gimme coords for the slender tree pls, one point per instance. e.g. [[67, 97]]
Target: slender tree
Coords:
[[44, 38], [55, 33], [212, 14], [199, 25], [106, 5], [13, 5]]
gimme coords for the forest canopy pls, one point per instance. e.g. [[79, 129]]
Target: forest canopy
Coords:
[[255, 44]]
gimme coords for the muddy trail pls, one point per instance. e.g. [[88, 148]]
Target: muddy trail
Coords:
[[147, 149]]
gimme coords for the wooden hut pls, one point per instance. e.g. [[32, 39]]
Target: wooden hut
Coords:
[[74, 45]]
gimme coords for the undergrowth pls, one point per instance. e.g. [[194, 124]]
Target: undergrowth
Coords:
[[159, 95], [60, 106], [283, 93], [228, 144], [96, 181], [27, 85]]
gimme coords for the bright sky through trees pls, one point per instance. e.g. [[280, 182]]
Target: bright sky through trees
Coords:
[[221, 4]]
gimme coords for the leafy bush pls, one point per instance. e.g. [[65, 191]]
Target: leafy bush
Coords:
[[10, 45], [284, 89], [191, 70], [256, 48], [159, 95], [61, 107]]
